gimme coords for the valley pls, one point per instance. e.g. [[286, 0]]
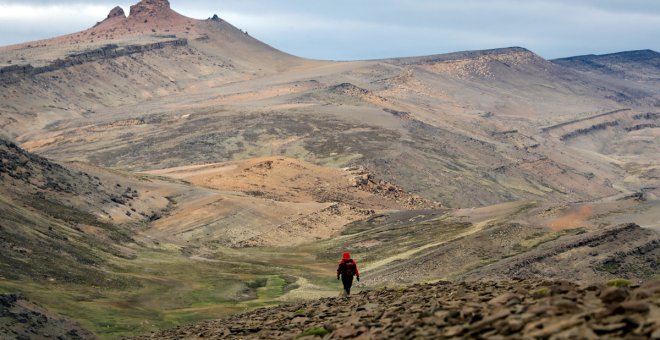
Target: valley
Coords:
[[159, 170]]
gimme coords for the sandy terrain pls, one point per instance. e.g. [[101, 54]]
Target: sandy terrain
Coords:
[[275, 201]]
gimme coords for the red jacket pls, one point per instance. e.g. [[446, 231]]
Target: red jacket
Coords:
[[347, 266]]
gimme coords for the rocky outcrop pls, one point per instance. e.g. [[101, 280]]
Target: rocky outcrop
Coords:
[[22, 319], [349, 89], [526, 309], [641, 127], [564, 124], [116, 12], [593, 128], [648, 115], [149, 7], [28, 173], [362, 179], [16, 73], [400, 114], [23, 166]]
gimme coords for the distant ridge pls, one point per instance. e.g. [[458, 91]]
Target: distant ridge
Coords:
[[635, 55], [641, 65], [470, 54]]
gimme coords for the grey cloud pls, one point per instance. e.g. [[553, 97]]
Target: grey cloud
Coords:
[[366, 29]]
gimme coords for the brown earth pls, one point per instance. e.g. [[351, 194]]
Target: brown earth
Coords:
[[511, 309], [289, 202], [291, 180]]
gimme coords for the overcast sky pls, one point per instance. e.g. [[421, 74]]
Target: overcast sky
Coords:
[[365, 29]]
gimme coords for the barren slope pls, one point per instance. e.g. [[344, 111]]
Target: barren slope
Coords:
[[426, 124]]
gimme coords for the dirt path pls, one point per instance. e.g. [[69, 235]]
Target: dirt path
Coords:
[[480, 219]]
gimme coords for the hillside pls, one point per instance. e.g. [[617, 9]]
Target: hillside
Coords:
[[499, 140], [23, 319], [60, 224], [156, 90]]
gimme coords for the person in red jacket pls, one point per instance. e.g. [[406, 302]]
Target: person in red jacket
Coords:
[[347, 269]]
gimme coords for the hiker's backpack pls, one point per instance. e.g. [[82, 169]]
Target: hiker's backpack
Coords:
[[349, 267]]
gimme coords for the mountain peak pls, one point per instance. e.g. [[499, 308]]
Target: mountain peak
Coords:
[[149, 7]]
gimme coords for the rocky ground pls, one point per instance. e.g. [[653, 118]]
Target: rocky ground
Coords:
[[21, 319], [512, 309]]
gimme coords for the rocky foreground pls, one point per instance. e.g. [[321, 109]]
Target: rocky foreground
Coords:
[[515, 309]]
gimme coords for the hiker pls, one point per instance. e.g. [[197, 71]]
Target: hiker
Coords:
[[347, 269]]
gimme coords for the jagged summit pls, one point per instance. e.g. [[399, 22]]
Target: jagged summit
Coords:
[[116, 12], [146, 17], [154, 18], [144, 8], [150, 24], [149, 7]]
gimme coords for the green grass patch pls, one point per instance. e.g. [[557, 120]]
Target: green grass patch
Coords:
[[534, 240], [173, 290], [5, 290], [273, 289], [314, 331], [541, 292], [619, 283]]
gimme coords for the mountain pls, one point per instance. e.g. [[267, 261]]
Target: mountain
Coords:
[[637, 65], [634, 74], [159, 170], [169, 91], [124, 60]]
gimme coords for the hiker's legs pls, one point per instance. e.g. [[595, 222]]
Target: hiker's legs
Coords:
[[347, 280]]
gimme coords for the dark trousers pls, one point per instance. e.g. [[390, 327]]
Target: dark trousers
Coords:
[[347, 280]]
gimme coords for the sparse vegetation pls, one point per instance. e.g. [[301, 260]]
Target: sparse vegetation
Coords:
[[619, 283], [541, 292], [314, 331], [611, 267], [535, 240]]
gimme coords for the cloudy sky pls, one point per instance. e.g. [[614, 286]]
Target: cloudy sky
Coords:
[[365, 29]]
